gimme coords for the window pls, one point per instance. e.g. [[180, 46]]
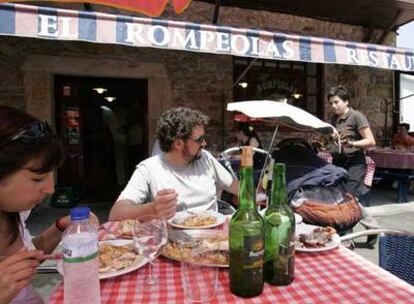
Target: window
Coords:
[[405, 95], [298, 82]]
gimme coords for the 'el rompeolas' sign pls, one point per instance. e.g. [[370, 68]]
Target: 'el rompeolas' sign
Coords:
[[28, 21]]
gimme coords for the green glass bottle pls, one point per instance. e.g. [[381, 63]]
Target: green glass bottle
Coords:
[[279, 260], [246, 236]]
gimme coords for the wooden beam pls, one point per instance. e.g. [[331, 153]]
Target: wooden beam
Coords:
[[390, 27], [244, 72], [216, 11]]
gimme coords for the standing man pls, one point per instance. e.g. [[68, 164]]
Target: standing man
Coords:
[[355, 134], [184, 173]]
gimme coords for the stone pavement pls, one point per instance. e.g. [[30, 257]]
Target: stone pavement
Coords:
[[389, 214], [382, 206]]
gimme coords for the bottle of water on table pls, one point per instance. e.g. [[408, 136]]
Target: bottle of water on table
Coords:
[[80, 261]]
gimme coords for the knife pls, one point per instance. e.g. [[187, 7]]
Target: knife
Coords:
[[179, 235]]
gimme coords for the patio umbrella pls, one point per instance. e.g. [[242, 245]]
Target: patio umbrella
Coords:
[[284, 113]]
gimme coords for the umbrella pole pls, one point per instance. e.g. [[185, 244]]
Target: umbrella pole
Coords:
[[267, 160]]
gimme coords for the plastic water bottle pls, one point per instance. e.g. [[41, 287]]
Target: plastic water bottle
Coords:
[[80, 260]]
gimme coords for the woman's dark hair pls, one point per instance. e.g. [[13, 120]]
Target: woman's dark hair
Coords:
[[15, 154], [178, 123], [248, 130], [406, 125], [340, 91]]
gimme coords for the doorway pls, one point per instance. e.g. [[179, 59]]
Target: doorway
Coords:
[[103, 125]]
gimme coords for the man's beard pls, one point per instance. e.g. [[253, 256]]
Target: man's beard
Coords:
[[189, 157]]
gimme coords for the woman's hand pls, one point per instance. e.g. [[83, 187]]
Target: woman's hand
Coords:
[[16, 272]]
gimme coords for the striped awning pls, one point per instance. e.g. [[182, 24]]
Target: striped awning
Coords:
[[61, 24]]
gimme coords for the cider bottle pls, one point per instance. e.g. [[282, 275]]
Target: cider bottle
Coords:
[[279, 259], [246, 236]]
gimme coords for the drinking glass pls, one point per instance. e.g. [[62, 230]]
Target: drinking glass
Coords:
[[198, 277], [150, 235]]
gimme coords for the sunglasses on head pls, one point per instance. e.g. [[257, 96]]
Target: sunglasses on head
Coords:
[[200, 140], [31, 134]]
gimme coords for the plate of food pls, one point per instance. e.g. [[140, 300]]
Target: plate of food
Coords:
[[212, 247], [197, 219], [311, 238], [116, 257], [125, 229]]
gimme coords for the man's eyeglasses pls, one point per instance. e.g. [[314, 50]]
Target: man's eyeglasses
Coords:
[[31, 134], [200, 140]]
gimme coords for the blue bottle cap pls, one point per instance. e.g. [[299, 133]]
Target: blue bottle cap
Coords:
[[79, 213]]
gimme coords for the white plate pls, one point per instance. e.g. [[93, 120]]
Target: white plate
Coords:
[[180, 216], [306, 229], [106, 275], [298, 217]]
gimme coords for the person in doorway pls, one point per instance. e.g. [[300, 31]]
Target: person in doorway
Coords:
[[183, 173], [113, 122], [135, 130], [402, 140], [29, 152], [355, 134]]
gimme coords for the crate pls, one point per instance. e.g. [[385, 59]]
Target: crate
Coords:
[[65, 197]]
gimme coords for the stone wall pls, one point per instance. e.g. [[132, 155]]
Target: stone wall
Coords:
[[372, 93], [202, 81]]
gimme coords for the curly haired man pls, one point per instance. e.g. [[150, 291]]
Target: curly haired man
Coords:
[[183, 173]]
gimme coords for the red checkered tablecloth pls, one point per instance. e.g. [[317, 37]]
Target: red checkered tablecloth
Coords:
[[335, 276], [393, 159]]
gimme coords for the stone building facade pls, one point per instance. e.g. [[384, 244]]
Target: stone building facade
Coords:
[[202, 81]]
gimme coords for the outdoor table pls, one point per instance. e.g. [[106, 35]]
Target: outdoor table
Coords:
[[334, 276], [395, 165], [392, 159]]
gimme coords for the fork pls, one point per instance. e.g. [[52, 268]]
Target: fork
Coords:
[[185, 208]]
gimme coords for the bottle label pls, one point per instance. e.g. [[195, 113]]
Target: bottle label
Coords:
[[80, 259], [79, 248], [284, 263], [253, 252]]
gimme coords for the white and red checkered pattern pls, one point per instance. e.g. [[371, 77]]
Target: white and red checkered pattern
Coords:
[[393, 159], [335, 276], [369, 173]]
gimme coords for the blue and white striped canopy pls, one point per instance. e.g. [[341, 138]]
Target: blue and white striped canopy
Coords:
[[60, 24]]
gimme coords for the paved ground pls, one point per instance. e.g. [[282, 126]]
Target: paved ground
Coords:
[[388, 214], [382, 206]]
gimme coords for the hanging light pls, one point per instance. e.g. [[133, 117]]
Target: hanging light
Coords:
[[296, 95], [243, 84], [109, 98], [100, 90]]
